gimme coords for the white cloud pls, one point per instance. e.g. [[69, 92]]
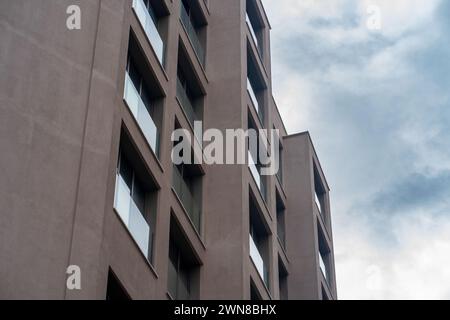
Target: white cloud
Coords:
[[398, 17], [413, 268], [297, 96]]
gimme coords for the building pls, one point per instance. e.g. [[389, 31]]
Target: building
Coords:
[[86, 117]]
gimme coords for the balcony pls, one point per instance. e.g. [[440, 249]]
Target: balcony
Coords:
[[186, 103], [151, 31], [254, 170], [281, 235], [323, 267], [257, 259], [281, 219], [192, 34], [140, 113], [188, 108], [252, 30], [252, 95], [317, 201], [186, 197], [132, 217]]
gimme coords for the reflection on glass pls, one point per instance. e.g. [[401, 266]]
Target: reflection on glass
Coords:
[[151, 31], [140, 113]]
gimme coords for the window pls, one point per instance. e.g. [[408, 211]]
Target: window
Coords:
[[187, 187], [259, 242], [324, 255], [143, 96], [149, 6], [254, 162], [323, 267], [187, 98], [115, 291], [324, 294], [135, 197], [281, 223], [254, 294], [195, 25], [319, 193], [187, 182], [179, 278], [256, 87], [255, 26], [150, 15], [282, 280], [318, 201], [183, 273], [138, 101], [190, 92]]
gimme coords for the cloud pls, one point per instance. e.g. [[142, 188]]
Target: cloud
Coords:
[[415, 268], [378, 107], [417, 191]]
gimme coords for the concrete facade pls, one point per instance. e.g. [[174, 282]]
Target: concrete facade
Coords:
[[64, 121]]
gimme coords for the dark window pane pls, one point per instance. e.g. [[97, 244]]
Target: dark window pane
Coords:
[[134, 75], [146, 99], [173, 270], [139, 196], [172, 281], [126, 172], [183, 283], [115, 290]]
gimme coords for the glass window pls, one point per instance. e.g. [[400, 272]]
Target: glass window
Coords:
[[126, 172], [130, 204], [134, 74], [138, 195], [179, 275], [151, 11]]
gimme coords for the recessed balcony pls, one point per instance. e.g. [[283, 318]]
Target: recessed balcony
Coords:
[[191, 31], [252, 94], [182, 184], [148, 23], [257, 259], [140, 112], [254, 170], [252, 30], [132, 216]]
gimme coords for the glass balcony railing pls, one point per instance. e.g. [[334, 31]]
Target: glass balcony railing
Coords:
[[254, 170], [317, 201], [187, 199], [281, 234], [140, 113], [252, 95], [192, 33], [323, 267], [257, 259], [188, 108], [252, 31], [186, 103], [150, 28], [132, 217]]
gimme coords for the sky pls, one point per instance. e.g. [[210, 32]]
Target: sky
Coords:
[[377, 104]]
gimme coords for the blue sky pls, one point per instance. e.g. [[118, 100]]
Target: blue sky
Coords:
[[377, 104]]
